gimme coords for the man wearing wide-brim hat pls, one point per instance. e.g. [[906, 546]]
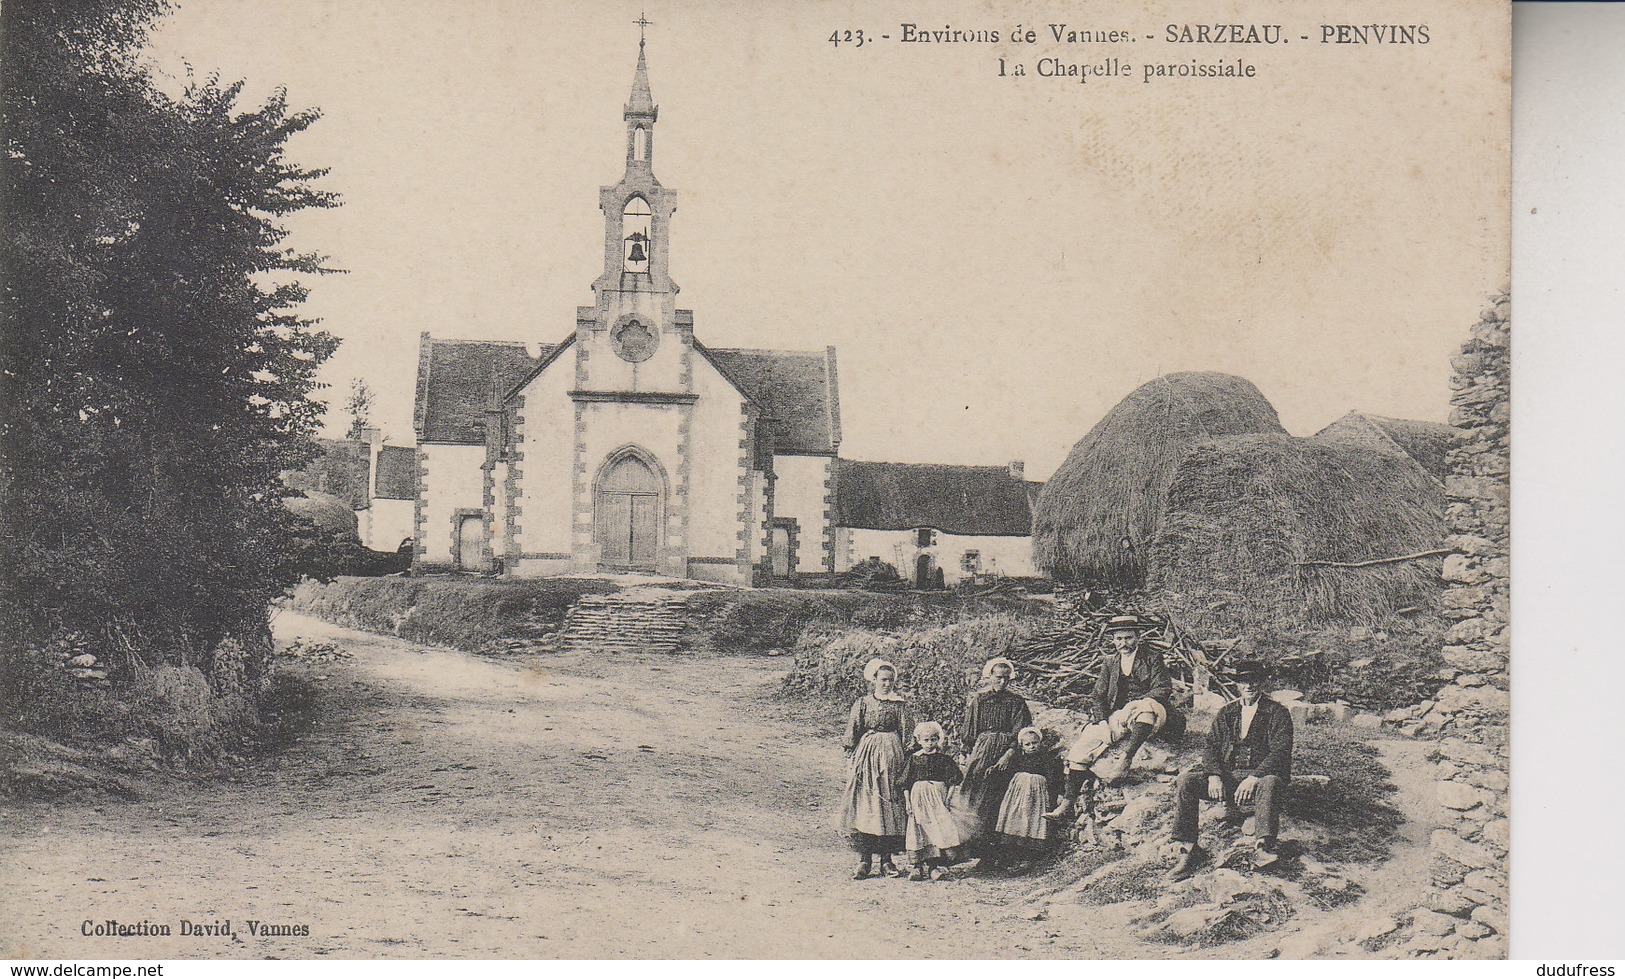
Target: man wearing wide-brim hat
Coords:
[[1247, 765]]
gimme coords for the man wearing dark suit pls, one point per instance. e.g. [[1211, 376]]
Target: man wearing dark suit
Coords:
[[1146, 674], [1133, 693], [1248, 765], [1133, 697]]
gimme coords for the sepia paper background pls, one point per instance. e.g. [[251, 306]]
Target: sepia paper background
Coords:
[[997, 260]]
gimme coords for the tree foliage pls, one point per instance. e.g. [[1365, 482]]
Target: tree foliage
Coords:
[[157, 372], [359, 406]]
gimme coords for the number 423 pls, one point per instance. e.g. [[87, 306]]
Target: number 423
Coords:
[[854, 38]]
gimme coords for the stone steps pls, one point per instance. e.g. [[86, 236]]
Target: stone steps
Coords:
[[620, 623]]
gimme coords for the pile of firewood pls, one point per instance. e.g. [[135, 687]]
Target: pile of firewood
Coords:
[[980, 587], [1063, 662]]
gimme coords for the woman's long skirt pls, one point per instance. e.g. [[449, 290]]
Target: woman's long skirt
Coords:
[[873, 816], [935, 831], [1021, 824], [983, 788]]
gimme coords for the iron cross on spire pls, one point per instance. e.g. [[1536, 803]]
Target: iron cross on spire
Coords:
[[642, 23]]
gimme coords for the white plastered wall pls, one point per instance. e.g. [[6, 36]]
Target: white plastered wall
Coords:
[[547, 426], [716, 463], [453, 480], [799, 493], [1009, 556], [388, 522], [654, 428]]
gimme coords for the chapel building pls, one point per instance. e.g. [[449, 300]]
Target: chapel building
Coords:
[[630, 446]]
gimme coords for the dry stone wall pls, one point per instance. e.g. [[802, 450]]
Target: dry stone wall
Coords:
[[1466, 912]]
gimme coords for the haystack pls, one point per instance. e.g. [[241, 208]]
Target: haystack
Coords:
[[1270, 531], [1095, 518], [1426, 442], [326, 511]]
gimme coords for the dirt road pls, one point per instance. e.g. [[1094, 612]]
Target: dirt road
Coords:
[[551, 807], [554, 806]]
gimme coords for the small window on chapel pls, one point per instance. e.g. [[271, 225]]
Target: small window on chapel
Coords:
[[636, 222], [926, 537], [640, 143]]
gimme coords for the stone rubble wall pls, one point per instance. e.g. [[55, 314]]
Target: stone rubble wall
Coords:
[[1465, 915]]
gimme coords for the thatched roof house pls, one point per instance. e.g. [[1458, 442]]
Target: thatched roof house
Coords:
[[962, 500], [1271, 530], [1095, 518], [1425, 442]]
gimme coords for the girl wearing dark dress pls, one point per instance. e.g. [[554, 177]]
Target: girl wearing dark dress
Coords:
[[993, 717], [873, 814], [1021, 832], [935, 832]]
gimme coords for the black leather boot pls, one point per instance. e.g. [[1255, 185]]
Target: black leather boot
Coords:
[[1069, 799], [1189, 862], [1138, 733]]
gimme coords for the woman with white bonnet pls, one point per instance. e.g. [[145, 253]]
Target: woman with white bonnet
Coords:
[[994, 715], [873, 814]]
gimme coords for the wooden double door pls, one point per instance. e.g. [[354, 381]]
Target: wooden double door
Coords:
[[627, 513]]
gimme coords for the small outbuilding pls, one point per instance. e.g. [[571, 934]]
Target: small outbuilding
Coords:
[[927, 521]]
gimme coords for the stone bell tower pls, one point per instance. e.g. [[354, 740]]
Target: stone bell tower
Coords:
[[634, 381], [632, 338]]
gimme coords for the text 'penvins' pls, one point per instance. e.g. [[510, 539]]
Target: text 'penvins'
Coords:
[[1172, 33]]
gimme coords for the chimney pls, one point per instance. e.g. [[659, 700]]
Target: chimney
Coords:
[[1018, 469], [371, 438]]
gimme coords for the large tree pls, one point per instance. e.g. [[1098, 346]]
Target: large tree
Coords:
[[157, 373]]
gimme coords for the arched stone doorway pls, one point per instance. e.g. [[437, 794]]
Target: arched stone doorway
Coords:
[[925, 571], [628, 512]]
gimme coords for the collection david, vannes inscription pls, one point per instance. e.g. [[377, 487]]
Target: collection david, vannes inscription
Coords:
[[219, 928]]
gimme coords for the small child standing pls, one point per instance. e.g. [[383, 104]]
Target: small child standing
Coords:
[[1022, 833], [934, 833]]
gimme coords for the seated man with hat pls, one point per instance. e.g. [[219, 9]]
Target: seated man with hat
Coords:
[[1133, 694], [1132, 701], [1248, 765]]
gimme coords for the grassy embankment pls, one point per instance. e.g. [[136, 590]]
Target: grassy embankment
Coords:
[[61, 735]]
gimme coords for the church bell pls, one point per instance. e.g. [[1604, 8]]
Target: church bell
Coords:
[[638, 252]]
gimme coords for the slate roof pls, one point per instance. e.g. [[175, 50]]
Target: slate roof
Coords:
[[964, 500], [396, 475], [457, 380], [795, 391], [1427, 443]]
